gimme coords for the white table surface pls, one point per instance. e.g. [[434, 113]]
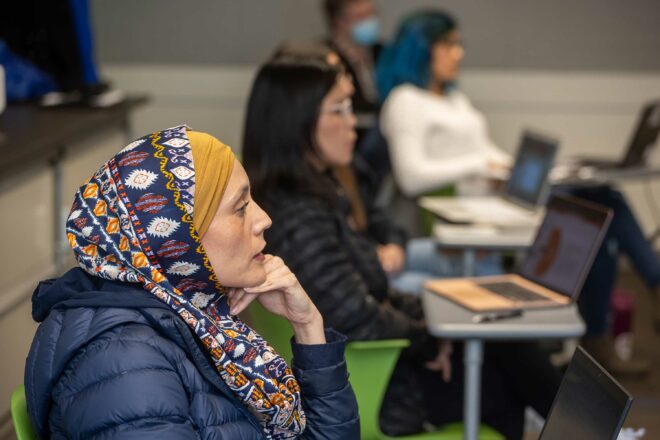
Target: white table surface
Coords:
[[589, 176], [483, 236]]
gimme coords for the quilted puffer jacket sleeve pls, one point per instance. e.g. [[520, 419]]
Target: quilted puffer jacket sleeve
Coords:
[[129, 384], [306, 237], [328, 399]]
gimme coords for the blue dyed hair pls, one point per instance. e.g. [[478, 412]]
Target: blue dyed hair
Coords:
[[407, 59]]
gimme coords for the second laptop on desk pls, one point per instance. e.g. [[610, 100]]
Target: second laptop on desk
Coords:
[[552, 273], [519, 205], [641, 142], [632, 164]]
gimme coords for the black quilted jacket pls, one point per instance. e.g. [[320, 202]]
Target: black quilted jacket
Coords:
[[340, 271]]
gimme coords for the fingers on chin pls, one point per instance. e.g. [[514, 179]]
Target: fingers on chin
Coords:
[[260, 289]]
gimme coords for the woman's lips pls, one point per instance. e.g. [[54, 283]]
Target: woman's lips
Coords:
[[260, 257]]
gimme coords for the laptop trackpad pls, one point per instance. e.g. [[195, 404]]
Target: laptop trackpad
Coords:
[[512, 291]]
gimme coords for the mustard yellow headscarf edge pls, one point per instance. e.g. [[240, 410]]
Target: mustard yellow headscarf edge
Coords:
[[213, 162]]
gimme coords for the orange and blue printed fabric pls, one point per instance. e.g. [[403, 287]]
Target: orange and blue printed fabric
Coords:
[[133, 222]]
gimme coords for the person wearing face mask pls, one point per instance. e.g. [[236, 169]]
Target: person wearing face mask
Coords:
[[354, 34], [299, 129], [142, 340]]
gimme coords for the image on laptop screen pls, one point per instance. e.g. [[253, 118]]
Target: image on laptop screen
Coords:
[[566, 243], [533, 162], [590, 405]]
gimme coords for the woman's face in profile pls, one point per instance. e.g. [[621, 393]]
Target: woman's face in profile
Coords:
[[335, 128], [446, 57], [235, 239]]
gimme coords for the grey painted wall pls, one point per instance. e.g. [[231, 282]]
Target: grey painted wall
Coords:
[[508, 34]]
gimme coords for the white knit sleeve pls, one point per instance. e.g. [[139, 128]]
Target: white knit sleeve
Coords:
[[405, 129]]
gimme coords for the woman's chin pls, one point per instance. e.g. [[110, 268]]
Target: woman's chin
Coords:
[[349, 158], [255, 278]]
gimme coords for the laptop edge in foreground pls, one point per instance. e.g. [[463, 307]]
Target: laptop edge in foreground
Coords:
[[590, 403]]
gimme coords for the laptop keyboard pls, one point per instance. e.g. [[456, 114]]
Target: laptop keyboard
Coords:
[[512, 291]]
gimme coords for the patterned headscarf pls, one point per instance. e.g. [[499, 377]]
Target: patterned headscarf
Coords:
[[133, 222]]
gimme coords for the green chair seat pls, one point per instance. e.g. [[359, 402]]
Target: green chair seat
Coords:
[[427, 218], [451, 431], [20, 417]]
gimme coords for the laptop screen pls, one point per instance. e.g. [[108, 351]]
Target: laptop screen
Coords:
[[530, 171], [590, 404], [645, 136], [566, 244]]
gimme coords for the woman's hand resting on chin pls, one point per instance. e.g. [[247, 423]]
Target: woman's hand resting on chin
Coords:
[[282, 295]]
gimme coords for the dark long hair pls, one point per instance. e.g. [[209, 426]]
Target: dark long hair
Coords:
[[280, 125]]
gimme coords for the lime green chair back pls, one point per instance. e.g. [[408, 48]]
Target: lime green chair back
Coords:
[[369, 383], [370, 364], [19, 416], [427, 218]]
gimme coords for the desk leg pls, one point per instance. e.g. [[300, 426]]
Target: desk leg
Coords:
[[473, 358], [469, 262]]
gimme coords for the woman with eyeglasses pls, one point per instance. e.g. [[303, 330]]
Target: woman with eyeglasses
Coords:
[[299, 129], [358, 181], [436, 137]]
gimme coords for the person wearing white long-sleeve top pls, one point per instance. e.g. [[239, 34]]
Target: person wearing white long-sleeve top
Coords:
[[436, 140], [436, 137]]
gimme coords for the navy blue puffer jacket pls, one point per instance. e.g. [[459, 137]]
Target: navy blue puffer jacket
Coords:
[[110, 361]]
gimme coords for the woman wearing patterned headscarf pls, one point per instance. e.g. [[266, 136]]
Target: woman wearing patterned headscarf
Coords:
[[142, 340]]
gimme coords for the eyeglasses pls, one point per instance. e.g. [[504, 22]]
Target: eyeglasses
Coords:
[[347, 76], [452, 43], [343, 108]]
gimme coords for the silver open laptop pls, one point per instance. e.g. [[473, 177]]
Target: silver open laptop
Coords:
[[524, 191], [553, 271], [643, 139], [590, 404]]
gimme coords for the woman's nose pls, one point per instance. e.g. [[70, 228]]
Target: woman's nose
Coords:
[[460, 53], [263, 221], [351, 120]]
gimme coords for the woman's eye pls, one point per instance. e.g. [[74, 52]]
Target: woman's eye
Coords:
[[241, 211]]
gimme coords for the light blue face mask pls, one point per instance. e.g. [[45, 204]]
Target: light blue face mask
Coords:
[[366, 32]]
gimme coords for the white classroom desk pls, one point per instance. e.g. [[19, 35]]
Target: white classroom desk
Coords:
[[591, 176], [446, 319], [472, 238]]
